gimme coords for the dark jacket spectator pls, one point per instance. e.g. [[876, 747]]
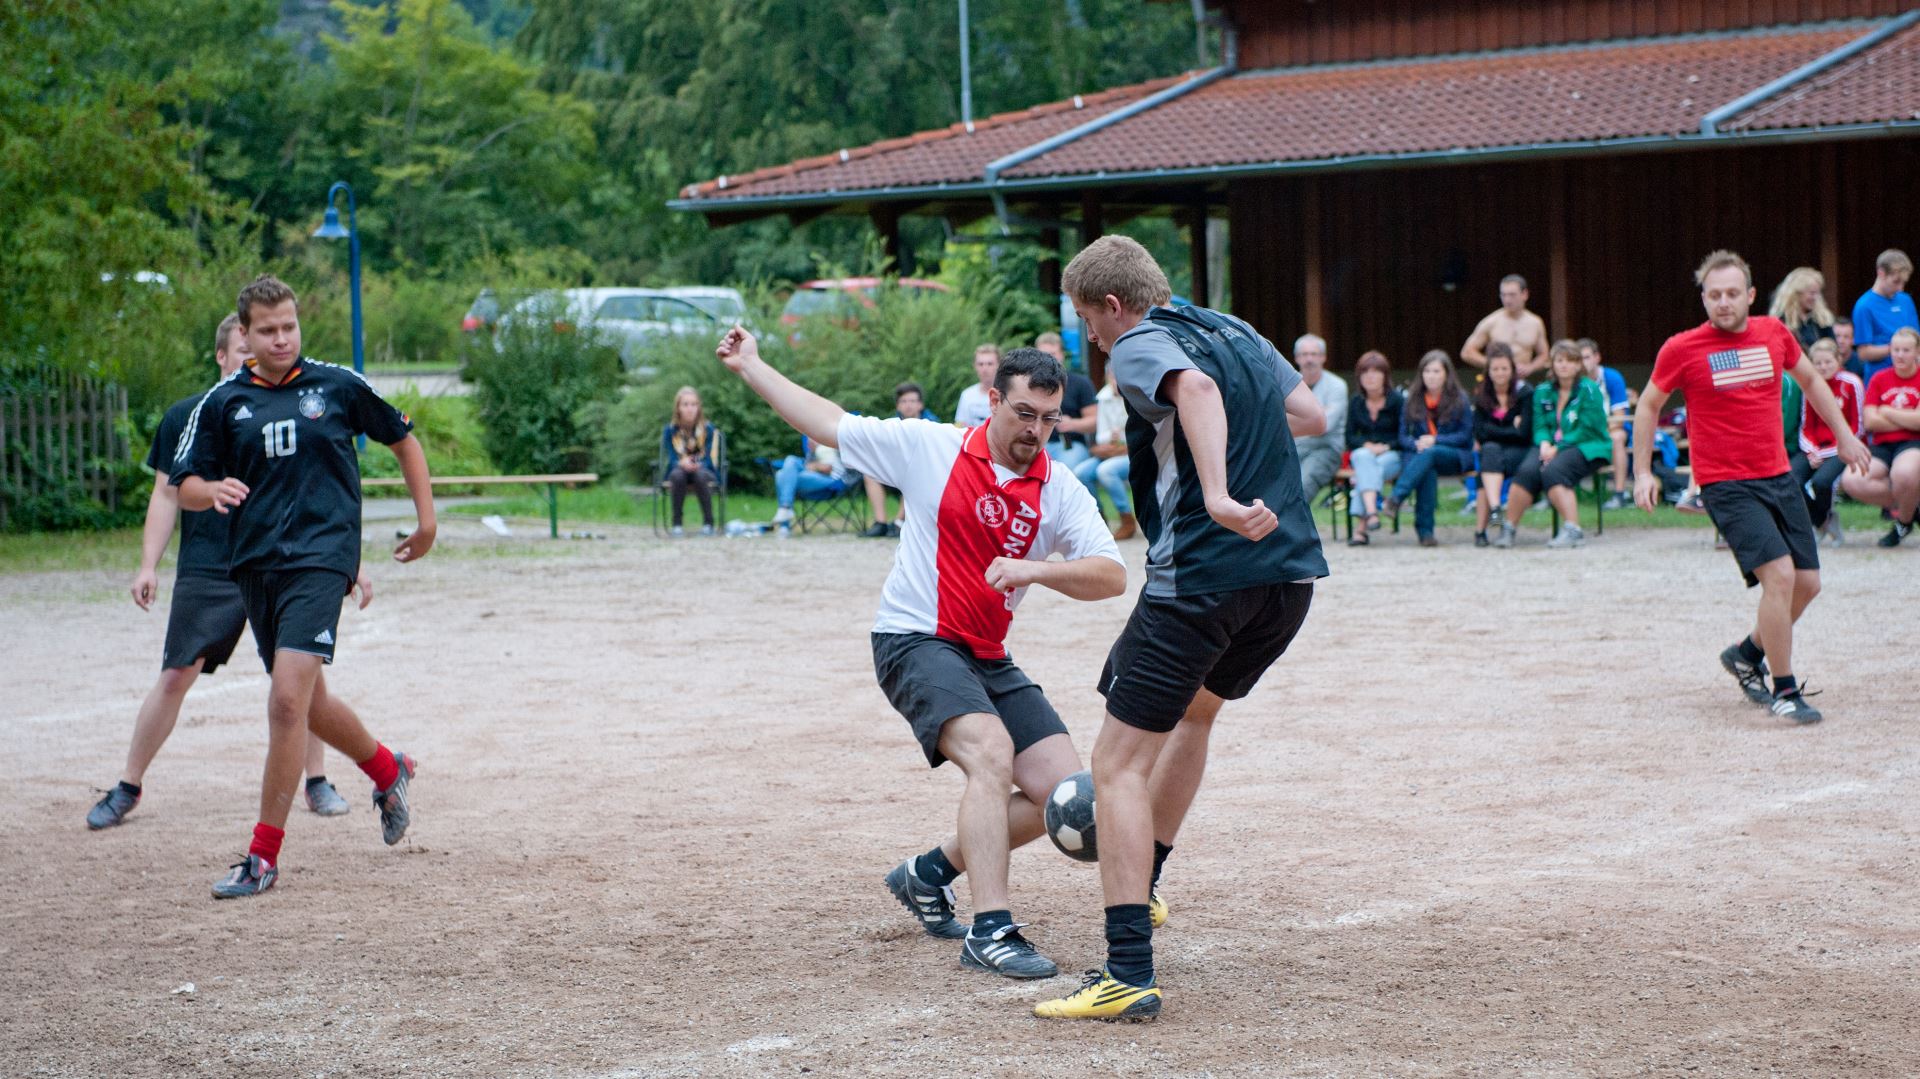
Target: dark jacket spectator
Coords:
[[1363, 427], [1512, 428]]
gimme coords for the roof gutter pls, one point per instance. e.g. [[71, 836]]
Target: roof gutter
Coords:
[[1710, 123], [991, 176]]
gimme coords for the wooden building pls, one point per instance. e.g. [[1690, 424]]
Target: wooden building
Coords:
[[1381, 164]]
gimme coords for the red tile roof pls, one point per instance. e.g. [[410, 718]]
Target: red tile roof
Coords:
[[1490, 101], [1881, 84]]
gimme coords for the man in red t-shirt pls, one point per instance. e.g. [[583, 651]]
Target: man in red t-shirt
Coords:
[[1893, 419], [1729, 370]]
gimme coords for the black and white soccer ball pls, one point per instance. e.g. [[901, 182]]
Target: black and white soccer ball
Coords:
[[1069, 816]]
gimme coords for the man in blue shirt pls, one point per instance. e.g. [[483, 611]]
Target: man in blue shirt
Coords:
[[1619, 402], [1881, 310]]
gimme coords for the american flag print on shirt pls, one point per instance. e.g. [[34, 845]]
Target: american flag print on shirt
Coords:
[[1735, 367]]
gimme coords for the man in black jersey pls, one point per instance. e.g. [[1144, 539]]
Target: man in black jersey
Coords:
[[272, 446], [206, 618]]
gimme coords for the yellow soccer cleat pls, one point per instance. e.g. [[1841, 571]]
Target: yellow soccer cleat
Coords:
[[1102, 997], [1157, 910]]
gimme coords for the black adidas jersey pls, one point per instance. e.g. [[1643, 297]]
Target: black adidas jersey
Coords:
[[203, 534], [291, 443]]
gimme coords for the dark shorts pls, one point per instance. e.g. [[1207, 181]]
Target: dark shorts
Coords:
[[1567, 469], [1885, 452], [931, 680], [1762, 520], [205, 622], [1502, 458], [296, 610], [1174, 646]]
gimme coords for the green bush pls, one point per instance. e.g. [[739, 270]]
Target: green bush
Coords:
[[529, 393], [447, 430]]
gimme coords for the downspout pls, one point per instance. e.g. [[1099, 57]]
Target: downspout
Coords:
[[1230, 63], [1710, 123]]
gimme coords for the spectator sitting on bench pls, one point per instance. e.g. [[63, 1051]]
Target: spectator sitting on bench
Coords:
[[1815, 458], [1503, 426], [1436, 438], [820, 476], [972, 409], [1109, 466], [687, 444], [1570, 441], [1892, 409], [1373, 430], [909, 403], [1320, 454], [1620, 401]]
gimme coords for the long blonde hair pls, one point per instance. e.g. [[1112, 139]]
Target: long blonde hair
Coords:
[[690, 441], [1786, 299]]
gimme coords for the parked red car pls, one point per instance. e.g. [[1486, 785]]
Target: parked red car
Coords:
[[842, 299]]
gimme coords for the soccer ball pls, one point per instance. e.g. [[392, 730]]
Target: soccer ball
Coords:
[[1069, 815]]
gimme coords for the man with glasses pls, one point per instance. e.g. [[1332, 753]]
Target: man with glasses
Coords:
[[984, 509]]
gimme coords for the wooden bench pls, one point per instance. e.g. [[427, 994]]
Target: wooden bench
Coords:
[[551, 482], [1340, 494]]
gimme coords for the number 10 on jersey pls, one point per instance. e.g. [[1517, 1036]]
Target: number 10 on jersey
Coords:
[[281, 440]]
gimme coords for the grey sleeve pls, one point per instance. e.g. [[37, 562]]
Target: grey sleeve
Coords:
[[1141, 362], [1288, 375]]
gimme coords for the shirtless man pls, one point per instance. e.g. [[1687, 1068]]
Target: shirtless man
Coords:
[[1513, 325]]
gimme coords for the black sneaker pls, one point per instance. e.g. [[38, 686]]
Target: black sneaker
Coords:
[[1752, 676], [112, 808], [893, 530], [1795, 707], [395, 813], [931, 904], [876, 530], [1007, 954], [1480, 540], [1895, 534], [248, 877]]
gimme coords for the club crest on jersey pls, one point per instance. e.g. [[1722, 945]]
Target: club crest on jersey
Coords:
[[991, 509], [313, 404]]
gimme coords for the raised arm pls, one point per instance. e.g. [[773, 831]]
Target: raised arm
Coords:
[[1646, 420], [1203, 416], [808, 412]]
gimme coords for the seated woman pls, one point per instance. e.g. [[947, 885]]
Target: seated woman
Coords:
[[1503, 427], [686, 444], [1816, 459], [1373, 432], [1436, 435], [1570, 440]]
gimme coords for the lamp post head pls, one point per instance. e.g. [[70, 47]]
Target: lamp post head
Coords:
[[330, 227]]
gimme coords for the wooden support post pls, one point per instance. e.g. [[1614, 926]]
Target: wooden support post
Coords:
[[886, 222], [1197, 252], [1827, 209], [1092, 224], [1050, 256], [1558, 279], [1313, 270]]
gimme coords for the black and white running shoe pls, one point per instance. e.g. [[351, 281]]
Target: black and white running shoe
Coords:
[[1751, 676], [1794, 706], [1897, 533], [395, 812], [1007, 954], [931, 905], [112, 808], [248, 877]]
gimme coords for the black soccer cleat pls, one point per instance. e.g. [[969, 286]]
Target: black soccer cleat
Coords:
[[112, 808], [1007, 954], [395, 812], [1793, 706], [246, 878], [1751, 676], [931, 905], [1897, 533]]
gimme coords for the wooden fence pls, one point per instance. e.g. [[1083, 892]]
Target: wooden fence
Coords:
[[61, 431]]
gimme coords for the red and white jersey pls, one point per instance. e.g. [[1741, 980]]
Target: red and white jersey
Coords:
[[1817, 440], [963, 510]]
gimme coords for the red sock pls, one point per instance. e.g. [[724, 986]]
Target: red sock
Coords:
[[266, 842], [381, 767]]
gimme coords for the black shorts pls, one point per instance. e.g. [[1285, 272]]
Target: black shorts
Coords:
[[1885, 452], [294, 610], [931, 680], [1762, 520], [1501, 457], [1174, 646], [1568, 467], [205, 622]]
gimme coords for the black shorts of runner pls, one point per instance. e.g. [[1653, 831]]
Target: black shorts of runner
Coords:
[[1502, 458], [931, 680], [1174, 646], [294, 610], [1568, 467], [1885, 452], [205, 622], [1762, 520]]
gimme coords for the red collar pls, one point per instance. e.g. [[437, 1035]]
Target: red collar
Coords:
[[253, 372], [976, 444]]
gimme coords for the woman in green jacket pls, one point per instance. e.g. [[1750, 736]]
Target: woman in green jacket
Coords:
[[1570, 441]]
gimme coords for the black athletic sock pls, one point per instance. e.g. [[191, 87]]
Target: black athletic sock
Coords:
[[934, 868], [130, 788], [986, 921], [1160, 852], [314, 781], [1130, 943], [1751, 652], [1784, 685]]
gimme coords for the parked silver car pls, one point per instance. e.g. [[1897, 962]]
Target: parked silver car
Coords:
[[631, 318]]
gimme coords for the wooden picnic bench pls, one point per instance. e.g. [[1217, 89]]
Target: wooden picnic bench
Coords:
[[551, 482]]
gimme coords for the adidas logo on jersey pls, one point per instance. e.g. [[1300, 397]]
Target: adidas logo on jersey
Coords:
[[326, 637], [245, 413]]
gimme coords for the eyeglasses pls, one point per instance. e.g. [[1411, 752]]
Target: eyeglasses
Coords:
[[1027, 417]]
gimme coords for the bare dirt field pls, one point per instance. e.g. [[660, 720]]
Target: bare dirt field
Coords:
[[1497, 813]]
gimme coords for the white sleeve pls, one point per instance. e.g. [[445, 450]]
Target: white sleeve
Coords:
[[876, 447], [1078, 529]]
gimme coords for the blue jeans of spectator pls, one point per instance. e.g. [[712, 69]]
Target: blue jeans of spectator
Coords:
[[1109, 474], [1370, 472], [793, 477], [1422, 475], [1070, 457]]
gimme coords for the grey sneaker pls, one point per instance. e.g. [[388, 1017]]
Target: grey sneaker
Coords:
[[1833, 530], [1751, 676], [249, 877], [931, 904], [1620, 500], [1007, 954], [395, 814], [1505, 538], [324, 798], [1570, 536], [112, 808]]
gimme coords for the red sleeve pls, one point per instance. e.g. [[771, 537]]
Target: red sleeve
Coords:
[[1875, 389], [1667, 366]]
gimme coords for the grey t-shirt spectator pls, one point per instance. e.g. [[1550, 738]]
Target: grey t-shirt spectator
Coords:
[[1331, 391], [972, 409]]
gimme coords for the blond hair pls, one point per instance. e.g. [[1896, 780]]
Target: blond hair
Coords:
[[988, 347], [1049, 338], [1119, 267], [221, 335], [1825, 344], [1907, 332], [1893, 260], [1786, 299], [1720, 260]]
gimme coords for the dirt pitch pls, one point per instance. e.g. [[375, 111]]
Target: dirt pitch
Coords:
[[1498, 813]]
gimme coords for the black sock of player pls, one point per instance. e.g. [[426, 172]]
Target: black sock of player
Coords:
[[1751, 652], [130, 788], [1160, 852], [1130, 943], [314, 781], [986, 921], [1784, 685], [934, 868]]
